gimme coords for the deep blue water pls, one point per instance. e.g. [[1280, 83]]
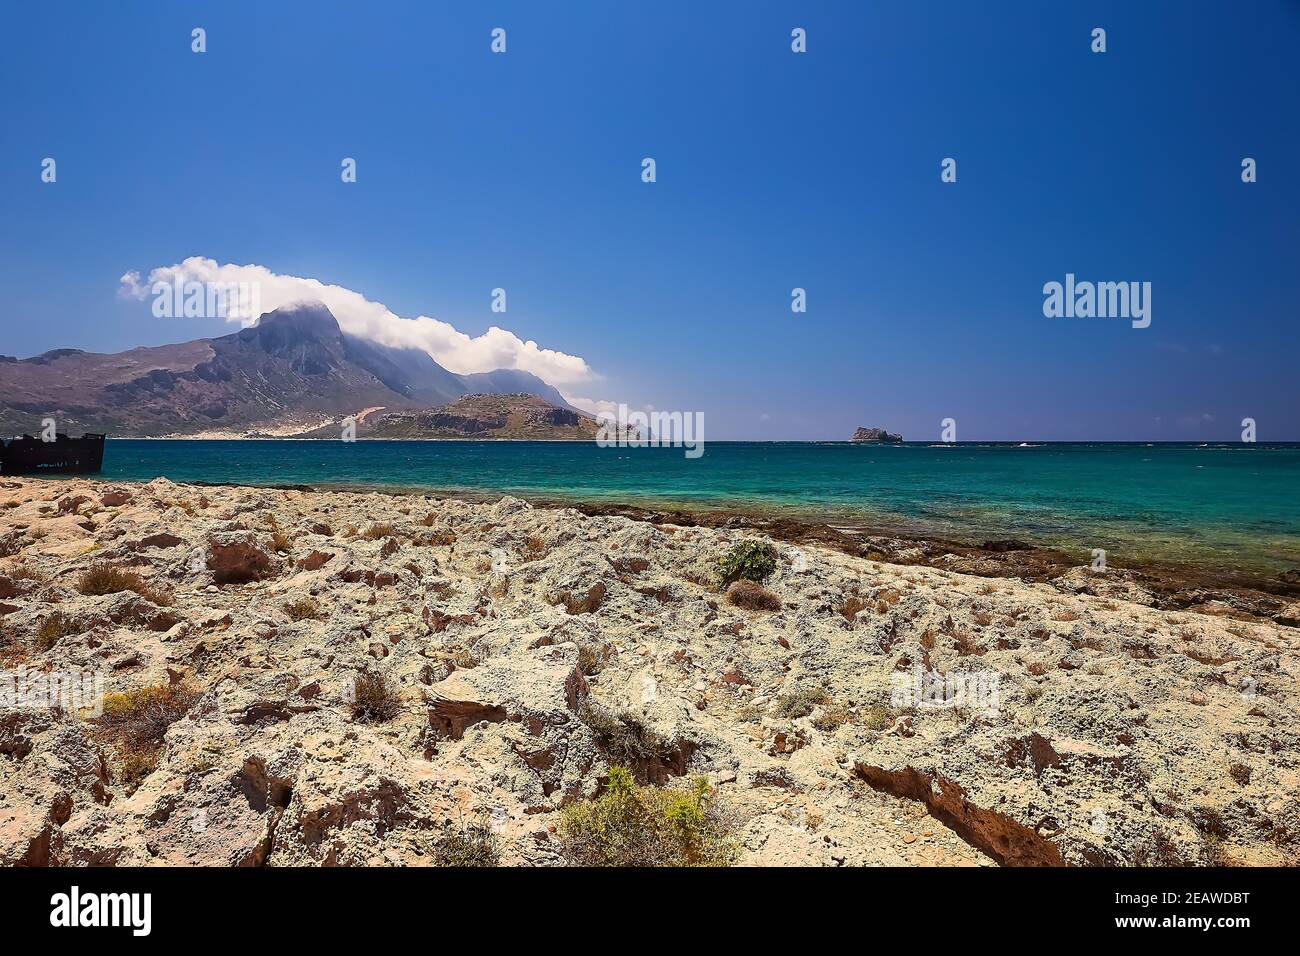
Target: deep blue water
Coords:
[[1232, 505]]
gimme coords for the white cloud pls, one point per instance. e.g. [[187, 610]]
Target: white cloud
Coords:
[[357, 315], [596, 407]]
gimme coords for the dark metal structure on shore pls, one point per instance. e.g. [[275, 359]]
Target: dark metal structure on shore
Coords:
[[30, 455]]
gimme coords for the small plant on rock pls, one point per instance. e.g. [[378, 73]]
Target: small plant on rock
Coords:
[[467, 845], [752, 597], [53, 628], [374, 699], [749, 561], [629, 825], [110, 579], [302, 609], [134, 723]]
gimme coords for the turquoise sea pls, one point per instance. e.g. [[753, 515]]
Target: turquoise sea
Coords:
[[1234, 506]]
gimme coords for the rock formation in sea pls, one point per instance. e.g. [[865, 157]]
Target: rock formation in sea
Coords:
[[875, 435]]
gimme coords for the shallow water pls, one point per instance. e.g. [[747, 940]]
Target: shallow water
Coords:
[[1232, 506]]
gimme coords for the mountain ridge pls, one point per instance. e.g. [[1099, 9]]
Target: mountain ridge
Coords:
[[292, 371]]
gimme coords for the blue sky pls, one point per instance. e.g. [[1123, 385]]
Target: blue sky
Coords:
[[775, 170]]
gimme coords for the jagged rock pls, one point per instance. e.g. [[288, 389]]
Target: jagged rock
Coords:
[[544, 688], [315, 560], [47, 770]]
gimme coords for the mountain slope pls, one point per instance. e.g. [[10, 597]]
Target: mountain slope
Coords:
[[289, 373], [483, 416], [506, 381], [410, 373]]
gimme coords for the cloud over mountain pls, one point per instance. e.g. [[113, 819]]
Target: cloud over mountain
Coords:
[[496, 348]]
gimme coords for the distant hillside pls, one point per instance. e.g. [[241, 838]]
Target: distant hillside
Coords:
[[516, 415], [293, 371]]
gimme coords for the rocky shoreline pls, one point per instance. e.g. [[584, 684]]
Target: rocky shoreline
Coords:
[[1140, 716]]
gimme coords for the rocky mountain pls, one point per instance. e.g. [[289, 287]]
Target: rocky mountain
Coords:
[[293, 371], [877, 435]]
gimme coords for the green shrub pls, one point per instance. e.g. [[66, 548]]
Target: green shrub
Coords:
[[628, 825], [749, 561]]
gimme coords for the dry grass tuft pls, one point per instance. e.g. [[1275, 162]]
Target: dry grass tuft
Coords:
[[303, 609], [110, 579], [752, 597], [53, 628], [135, 723], [374, 699]]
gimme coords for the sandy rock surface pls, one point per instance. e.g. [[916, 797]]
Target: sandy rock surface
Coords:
[[1078, 726]]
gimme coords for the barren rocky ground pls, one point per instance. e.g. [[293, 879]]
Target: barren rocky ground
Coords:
[[527, 646]]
